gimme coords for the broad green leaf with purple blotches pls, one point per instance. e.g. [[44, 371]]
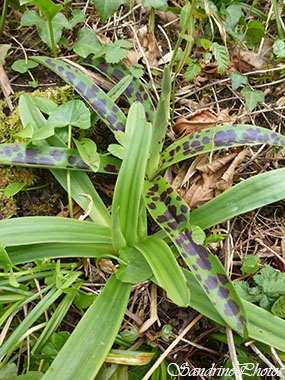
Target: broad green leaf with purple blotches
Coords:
[[136, 91], [108, 111], [160, 124], [169, 211], [212, 139], [45, 156]]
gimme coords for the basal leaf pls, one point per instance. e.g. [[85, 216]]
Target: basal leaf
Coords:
[[166, 270], [169, 211], [135, 91], [98, 100], [217, 138], [128, 189], [54, 157], [136, 269]]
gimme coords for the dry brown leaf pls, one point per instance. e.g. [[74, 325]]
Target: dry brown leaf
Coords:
[[107, 266], [149, 45], [213, 178], [196, 121], [246, 60], [6, 87]]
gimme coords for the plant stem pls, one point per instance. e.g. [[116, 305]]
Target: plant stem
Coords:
[[68, 183], [52, 38], [3, 17], [152, 19], [278, 22]]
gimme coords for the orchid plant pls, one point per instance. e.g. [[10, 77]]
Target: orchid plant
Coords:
[[123, 234]]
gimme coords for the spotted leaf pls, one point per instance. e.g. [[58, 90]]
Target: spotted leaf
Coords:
[[135, 92], [217, 138], [108, 111], [169, 211], [52, 157]]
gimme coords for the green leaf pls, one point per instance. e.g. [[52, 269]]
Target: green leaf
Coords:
[[198, 234], [93, 336], [250, 264], [13, 189], [26, 132], [51, 229], [279, 48], [262, 325], [256, 31], [106, 9], [160, 124], [88, 152], [83, 301], [192, 70], [55, 343], [213, 139], [245, 292], [248, 368], [116, 51], [47, 106], [22, 66], [78, 17], [221, 56], [87, 42], [58, 23], [252, 97], [165, 269], [252, 193], [101, 103], [137, 268], [233, 15], [237, 79], [170, 212], [279, 307], [8, 371], [129, 185], [73, 113], [47, 7], [270, 281], [160, 5]]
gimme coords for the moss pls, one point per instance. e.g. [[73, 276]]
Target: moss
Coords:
[[10, 125]]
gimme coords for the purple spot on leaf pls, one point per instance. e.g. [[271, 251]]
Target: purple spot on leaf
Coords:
[[212, 282], [223, 292], [231, 308]]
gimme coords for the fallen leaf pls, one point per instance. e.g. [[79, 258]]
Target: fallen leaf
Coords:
[[212, 178], [196, 121], [149, 45]]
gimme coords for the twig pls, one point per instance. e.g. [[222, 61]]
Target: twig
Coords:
[[233, 353], [173, 344], [146, 61]]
